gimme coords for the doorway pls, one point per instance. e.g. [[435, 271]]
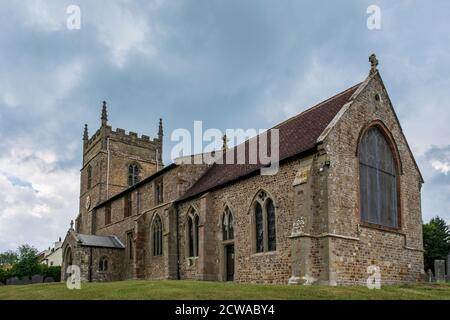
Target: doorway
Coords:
[[229, 254]]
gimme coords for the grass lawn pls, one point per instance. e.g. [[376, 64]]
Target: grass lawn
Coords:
[[137, 290]]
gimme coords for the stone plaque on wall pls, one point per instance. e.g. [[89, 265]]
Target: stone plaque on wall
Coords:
[[301, 176]]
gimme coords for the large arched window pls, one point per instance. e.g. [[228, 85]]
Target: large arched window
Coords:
[[264, 223], [157, 232], [192, 233], [227, 225], [378, 180], [133, 174]]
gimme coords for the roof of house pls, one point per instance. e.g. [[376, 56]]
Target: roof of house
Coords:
[[88, 240], [297, 135]]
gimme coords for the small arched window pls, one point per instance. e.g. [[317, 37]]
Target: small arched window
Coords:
[[103, 264], [264, 223], [192, 233], [133, 174], [378, 180], [227, 225], [89, 177], [259, 224], [271, 226], [157, 232]]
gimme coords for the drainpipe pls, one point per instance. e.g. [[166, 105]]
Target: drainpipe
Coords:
[[178, 241], [90, 264]]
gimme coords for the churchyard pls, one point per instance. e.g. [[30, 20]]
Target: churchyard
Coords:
[[202, 290]]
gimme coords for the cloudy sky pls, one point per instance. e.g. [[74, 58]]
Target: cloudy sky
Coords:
[[232, 64]]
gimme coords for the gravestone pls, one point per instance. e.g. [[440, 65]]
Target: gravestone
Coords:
[[430, 276], [49, 279], [37, 278], [448, 268], [439, 270], [12, 281], [25, 281]]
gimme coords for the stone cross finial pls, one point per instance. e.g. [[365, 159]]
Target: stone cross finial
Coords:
[[85, 133], [225, 142], [104, 114], [373, 63], [71, 224]]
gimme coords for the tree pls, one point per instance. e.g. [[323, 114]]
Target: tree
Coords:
[[28, 261], [8, 258], [436, 241]]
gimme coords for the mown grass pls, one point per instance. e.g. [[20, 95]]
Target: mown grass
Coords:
[[181, 290]]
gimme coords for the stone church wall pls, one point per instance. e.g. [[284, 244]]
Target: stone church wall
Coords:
[[398, 253], [267, 267]]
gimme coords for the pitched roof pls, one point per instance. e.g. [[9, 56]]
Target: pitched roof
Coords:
[[297, 135], [88, 240]]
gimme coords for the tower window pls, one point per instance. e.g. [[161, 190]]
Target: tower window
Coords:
[[133, 174], [89, 177]]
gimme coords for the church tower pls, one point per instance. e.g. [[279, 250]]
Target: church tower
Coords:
[[112, 162]]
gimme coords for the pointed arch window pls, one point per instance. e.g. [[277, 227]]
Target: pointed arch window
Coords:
[[192, 233], [271, 229], [227, 225], [259, 224], [133, 174], [103, 264], [157, 231], [378, 180], [265, 236]]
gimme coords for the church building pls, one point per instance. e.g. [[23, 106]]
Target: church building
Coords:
[[345, 203]]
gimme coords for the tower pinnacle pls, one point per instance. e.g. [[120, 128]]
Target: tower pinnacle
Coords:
[[160, 130], [85, 133], [104, 115], [225, 142]]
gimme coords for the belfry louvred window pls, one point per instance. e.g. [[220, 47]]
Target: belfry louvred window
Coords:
[[133, 174], [378, 180], [89, 177]]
